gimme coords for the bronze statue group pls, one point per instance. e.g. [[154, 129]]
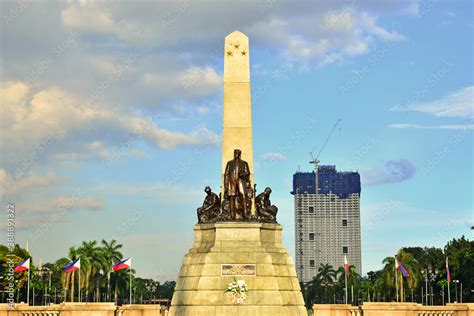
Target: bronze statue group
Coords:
[[236, 203]]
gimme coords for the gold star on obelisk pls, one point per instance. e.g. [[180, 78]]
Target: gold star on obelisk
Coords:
[[244, 53], [229, 53], [236, 46]]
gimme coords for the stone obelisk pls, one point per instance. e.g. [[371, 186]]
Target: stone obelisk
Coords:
[[237, 117], [247, 251]]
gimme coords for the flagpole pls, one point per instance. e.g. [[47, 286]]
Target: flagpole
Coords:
[[79, 285], [130, 285], [449, 292], [345, 273], [396, 278], [449, 279], [28, 288]]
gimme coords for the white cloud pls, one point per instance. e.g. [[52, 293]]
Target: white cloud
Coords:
[[166, 193], [459, 103], [452, 126], [273, 156], [315, 32], [10, 185], [69, 203], [13, 96], [202, 110], [26, 221], [324, 36], [369, 23], [194, 81], [88, 15], [52, 109], [176, 44]]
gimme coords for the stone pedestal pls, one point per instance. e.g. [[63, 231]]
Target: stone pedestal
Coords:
[[248, 251]]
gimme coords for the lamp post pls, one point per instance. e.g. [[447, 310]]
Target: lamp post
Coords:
[[42, 272], [424, 272], [3, 290], [433, 275], [49, 273], [151, 287], [429, 276], [456, 282], [442, 294]]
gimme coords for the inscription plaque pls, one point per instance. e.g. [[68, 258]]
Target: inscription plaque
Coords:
[[230, 269]]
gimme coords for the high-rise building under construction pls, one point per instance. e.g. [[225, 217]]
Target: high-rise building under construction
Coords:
[[327, 220]]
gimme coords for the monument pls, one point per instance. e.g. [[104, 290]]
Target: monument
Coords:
[[237, 264]]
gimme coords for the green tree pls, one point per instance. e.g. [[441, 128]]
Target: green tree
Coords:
[[443, 283], [367, 287], [353, 281], [167, 289], [20, 279], [146, 289], [64, 278], [326, 276], [92, 258], [120, 281], [461, 262], [111, 254], [387, 277], [409, 262], [69, 278], [312, 290]]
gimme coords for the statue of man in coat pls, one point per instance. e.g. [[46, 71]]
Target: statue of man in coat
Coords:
[[237, 186]]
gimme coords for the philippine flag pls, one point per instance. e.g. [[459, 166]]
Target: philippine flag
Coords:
[[76, 265], [23, 266], [346, 265], [124, 264], [399, 266], [448, 274]]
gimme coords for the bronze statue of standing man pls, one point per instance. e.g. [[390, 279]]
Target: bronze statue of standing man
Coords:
[[237, 186]]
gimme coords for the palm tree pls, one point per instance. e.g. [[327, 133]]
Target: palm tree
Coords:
[[388, 274], [92, 260], [410, 263], [367, 286], [311, 291], [68, 278], [412, 266], [353, 279], [59, 273], [121, 282], [111, 254], [102, 265], [379, 287], [326, 276]]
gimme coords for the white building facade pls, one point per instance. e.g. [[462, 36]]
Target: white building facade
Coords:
[[327, 224]]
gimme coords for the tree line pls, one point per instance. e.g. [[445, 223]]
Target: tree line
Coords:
[[98, 283], [426, 284]]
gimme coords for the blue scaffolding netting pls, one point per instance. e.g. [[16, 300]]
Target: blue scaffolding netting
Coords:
[[329, 181]]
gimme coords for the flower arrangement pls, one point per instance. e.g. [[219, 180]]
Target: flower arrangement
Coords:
[[238, 290]]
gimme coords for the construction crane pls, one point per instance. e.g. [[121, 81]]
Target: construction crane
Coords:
[[314, 160]]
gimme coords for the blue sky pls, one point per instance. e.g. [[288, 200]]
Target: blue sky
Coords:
[[111, 117]]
